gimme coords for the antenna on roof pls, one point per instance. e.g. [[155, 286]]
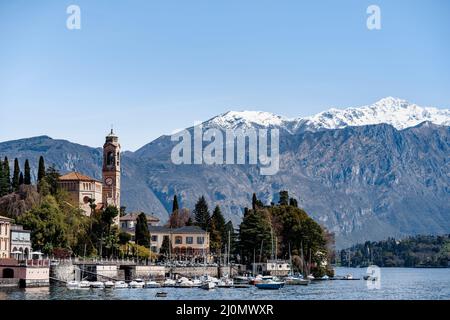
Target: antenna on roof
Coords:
[[112, 129]]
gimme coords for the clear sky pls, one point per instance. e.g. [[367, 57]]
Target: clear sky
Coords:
[[150, 67]]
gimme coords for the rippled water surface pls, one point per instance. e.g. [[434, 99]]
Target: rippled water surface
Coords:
[[396, 283]]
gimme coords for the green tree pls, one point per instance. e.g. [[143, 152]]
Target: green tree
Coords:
[[21, 179], [3, 184], [124, 237], [165, 246], [254, 233], [217, 230], [175, 204], [51, 178], [202, 216], [27, 176], [16, 173], [293, 202], [7, 173], [230, 232], [142, 236], [284, 198], [41, 169]]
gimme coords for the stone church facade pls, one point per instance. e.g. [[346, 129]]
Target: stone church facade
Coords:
[[90, 194]]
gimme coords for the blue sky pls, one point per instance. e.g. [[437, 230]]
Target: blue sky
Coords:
[[150, 67]]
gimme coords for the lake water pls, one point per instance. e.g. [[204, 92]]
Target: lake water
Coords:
[[396, 283]]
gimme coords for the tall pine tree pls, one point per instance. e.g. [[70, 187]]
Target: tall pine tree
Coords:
[[284, 198], [16, 173], [217, 229], [21, 180], [27, 176], [41, 169], [201, 211]]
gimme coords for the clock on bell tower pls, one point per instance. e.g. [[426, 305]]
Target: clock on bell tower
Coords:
[[111, 171]]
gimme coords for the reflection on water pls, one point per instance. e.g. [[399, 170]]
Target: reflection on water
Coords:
[[396, 283]]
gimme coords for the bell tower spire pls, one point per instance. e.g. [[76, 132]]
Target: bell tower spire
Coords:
[[111, 170]]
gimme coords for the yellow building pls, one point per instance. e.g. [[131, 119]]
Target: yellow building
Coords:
[[186, 242], [5, 237], [84, 190]]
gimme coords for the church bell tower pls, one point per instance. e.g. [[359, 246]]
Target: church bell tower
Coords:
[[111, 171]]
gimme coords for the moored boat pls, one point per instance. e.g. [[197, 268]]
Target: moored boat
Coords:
[[73, 285], [270, 285], [152, 284], [97, 285], [208, 285], [169, 283], [137, 283], [85, 284], [120, 285], [296, 280], [109, 284]]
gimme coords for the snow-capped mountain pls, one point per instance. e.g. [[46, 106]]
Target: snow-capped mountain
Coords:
[[397, 112], [248, 119]]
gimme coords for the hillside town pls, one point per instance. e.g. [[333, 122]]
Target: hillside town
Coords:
[[76, 230]]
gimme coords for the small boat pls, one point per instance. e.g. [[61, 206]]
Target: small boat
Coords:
[[138, 283], [225, 282], [120, 285], [152, 284], [348, 277], [270, 285], [186, 284], [73, 285], [241, 280], [85, 284], [169, 283], [196, 283], [296, 280], [97, 285], [310, 277], [161, 294], [109, 284], [208, 285]]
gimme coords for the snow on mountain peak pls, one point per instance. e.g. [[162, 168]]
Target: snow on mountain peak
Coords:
[[397, 112], [247, 119]]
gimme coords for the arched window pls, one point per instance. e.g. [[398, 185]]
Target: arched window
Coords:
[[110, 159]]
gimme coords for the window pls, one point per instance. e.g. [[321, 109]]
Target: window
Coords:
[[154, 238], [189, 240], [200, 240], [178, 240]]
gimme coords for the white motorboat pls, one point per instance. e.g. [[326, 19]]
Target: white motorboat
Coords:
[[197, 283], [73, 285], [296, 280], [138, 283], [225, 282], [120, 285], [169, 283], [186, 284], [310, 277], [85, 284], [109, 284], [208, 285], [152, 284], [97, 285]]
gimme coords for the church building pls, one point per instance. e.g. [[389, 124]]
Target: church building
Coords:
[[88, 193]]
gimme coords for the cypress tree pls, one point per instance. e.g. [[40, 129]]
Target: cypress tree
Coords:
[[293, 202], [142, 235], [7, 173], [21, 180], [254, 201], [201, 211], [27, 177], [41, 169], [175, 204], [16, 173], [2, 180]]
